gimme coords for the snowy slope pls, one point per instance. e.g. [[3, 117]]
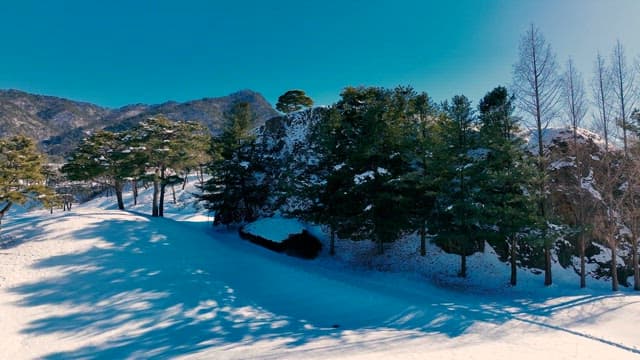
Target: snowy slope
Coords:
[[104, 284]]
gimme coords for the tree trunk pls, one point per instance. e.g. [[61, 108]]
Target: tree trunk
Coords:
[[614, 265], [156, 190], [636, 271], [547, 264], [134, 187], [583, 271], [173, 194], [423, 239], [161, 200], [163, 185], [201, 175], [118, 189], [463, 265], [332, 243], [380, 246], [186, 179], [513, 260], [4, 210]]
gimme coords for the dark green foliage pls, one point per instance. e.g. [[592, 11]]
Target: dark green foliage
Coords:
[[22, 174], [459, 209], [156, 150], [293, 100], [105, 157], [363, 155], [168, 147], [508, 175], [233, 192]]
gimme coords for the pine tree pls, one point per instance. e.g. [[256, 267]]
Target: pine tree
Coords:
[[21, 174], [233, 192], [105, 157], [168, 147], [293, 100], [365, 150], [422, 180], [507, 175], [320, 186], [458, 208]]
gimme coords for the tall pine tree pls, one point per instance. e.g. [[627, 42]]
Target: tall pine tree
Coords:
[[507, 177], [458, 207], [233, 192]]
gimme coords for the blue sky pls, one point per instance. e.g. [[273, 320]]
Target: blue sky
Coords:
[[118, 52]]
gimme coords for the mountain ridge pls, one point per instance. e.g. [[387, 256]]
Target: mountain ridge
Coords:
[[58, 124]]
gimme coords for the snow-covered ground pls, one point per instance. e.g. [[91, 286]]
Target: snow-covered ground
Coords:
[[97, 283]]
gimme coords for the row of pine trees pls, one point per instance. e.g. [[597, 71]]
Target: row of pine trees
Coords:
[[391, 162]]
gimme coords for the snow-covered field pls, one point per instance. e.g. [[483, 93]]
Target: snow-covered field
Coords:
[[97, 283]]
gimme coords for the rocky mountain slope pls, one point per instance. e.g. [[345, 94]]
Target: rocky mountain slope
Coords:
[[59, 124]]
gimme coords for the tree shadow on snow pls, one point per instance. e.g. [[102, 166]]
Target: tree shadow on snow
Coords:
[[30, 228], [164, 289]]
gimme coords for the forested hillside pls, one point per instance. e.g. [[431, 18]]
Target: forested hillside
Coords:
[[59, 124]]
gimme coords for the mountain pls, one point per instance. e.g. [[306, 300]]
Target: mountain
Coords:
[[44, 116], [59, 124]]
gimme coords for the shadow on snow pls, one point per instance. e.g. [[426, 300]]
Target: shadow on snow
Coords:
[[177, 289]]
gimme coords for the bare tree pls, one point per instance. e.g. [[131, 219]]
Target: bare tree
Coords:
[[538, 93], [574, 97], [623, 78], [608, 219], [631, 207], [602, 93], [575, 105]]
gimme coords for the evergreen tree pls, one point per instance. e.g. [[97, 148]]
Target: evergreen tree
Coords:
[[293, 100], [168, 146], [422, 180], [363, 153], [233, 192], [458, 207], [321, 185], [104, 157], [507, 175], [21, 174]]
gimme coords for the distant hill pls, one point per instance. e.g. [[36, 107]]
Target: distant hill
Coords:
[[59, 124]]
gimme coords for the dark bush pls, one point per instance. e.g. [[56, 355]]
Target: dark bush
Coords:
[[303, 245]]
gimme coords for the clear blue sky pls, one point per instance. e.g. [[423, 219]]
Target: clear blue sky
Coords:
[[125, 51]]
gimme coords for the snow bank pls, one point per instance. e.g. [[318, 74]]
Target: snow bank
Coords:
[[275, 229], [551, 135]]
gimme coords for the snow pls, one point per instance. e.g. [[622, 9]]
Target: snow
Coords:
[[587, 184], [559, 164], [552, 135], [363, 177], [382, 171], [275, 229], [102, 283]]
